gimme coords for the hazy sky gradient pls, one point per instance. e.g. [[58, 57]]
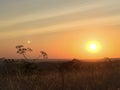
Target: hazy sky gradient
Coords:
[[48, 24]]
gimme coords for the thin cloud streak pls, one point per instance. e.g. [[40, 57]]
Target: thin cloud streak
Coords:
[[46, 21]]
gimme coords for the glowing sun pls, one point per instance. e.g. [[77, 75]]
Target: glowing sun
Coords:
[[93, 47]]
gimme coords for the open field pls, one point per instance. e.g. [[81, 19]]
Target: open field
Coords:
[[64, 75]]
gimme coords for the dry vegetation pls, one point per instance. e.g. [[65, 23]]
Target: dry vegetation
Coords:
[[69, 75]]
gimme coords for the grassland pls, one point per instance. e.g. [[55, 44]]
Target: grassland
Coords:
[[61, 75]]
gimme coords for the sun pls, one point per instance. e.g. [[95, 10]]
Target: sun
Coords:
[[93, 47]]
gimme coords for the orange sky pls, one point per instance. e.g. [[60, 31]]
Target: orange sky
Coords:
[[61, 28]]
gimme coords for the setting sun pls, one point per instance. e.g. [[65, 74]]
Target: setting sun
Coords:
[[93, 47]]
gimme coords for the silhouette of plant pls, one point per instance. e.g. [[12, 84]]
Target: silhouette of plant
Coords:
[[9, 61], [43, 54], [22, 50]]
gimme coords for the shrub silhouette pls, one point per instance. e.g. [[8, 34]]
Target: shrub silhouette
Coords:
[[22, 50], [44, 55], [8, 61]]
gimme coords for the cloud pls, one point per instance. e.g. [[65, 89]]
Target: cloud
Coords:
[[57, 15], [79, 13]]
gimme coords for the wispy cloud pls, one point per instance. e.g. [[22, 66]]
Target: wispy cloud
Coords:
[[96, 9]]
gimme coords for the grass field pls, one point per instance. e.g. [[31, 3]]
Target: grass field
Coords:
[[61, 75]]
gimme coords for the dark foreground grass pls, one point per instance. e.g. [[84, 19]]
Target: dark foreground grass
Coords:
[[71, 75]]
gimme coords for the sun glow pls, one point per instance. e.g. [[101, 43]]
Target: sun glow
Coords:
[[93, 47]]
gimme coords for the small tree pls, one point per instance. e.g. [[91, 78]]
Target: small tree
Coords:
[[43, 54], [22, 50]]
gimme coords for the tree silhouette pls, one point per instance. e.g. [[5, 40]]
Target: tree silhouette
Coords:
[[22, 50], [43, 54]]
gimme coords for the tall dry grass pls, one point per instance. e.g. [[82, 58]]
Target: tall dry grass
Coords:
[[72, 75]]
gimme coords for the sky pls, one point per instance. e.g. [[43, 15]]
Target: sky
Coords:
[[62, 28]]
